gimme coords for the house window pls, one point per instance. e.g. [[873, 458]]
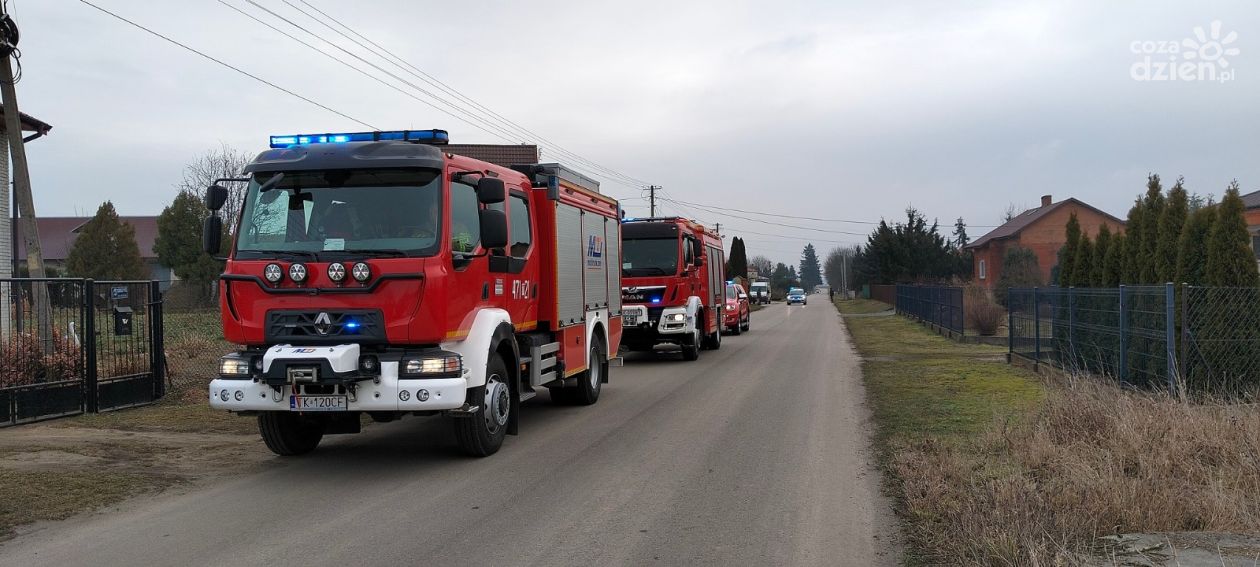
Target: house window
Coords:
[[983, 270]]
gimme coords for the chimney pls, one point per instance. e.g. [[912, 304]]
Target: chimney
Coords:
[[1045, 200]]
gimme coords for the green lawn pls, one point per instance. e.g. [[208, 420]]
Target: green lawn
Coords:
[[861, 306]]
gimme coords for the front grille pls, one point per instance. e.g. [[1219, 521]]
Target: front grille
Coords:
[[332, 327]]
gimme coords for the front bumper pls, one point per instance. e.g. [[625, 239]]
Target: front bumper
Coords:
[[383, 392], [731, 318], [652, 326]]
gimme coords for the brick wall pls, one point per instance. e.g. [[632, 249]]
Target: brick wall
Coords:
[[1046, 236]]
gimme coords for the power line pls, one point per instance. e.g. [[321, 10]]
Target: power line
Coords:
[[798, 217], [229, 66], [798, 227], [433, 81]]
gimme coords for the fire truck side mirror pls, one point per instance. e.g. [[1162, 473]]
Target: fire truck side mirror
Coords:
[[494, 230], [490, 190], [212, 234], [216, 196]]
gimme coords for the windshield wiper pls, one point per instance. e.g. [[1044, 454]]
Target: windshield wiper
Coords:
[[392, 252], [291, 253], [657, 268]]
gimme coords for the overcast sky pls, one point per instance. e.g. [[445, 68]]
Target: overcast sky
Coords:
[[825, 109]]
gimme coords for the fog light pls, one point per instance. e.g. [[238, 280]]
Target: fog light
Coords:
[[422, 395], [404, 395], [239, 395], [223, 395], [337, 272], [675, 317], [297, 272], [273, 273], [368, 364], [361, 272]]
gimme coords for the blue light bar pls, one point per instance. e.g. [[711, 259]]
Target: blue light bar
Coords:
[[436, 137]]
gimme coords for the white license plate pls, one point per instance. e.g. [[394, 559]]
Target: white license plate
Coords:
[[630, 318], [317, 403]]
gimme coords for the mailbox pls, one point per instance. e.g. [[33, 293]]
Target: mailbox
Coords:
[[122, 320]]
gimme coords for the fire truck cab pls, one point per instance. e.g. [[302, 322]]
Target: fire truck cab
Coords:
[[373, 273], [673, 285]]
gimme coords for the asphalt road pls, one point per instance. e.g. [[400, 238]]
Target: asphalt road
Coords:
[[757, 454]]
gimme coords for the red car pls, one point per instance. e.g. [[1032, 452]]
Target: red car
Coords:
[[737, 317]]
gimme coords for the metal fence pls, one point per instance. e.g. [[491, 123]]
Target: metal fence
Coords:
[[69, 346], [1220, 339], [937, 305], [1128, 333]]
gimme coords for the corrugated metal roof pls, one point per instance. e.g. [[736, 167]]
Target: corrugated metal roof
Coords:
[[1251, 200], [1026, 218]]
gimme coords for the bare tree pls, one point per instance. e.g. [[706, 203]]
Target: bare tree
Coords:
[[762, 264], [225, 161]]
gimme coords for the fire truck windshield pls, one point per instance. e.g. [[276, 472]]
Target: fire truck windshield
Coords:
[[319, 213], [649, 257]]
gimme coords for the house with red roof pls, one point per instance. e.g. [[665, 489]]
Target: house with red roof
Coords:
[[1042, 230], [57, 235]]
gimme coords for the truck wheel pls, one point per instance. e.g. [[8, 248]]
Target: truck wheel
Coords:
[[289, 434], [591, 382], [691, 351], [714, 341], [481, 434], [748, 323]]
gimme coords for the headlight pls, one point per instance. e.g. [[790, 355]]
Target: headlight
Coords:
[[273, 273], [336, 272], [432, 365], [675, 317], [297, 272], [233, 366], [361, 272]]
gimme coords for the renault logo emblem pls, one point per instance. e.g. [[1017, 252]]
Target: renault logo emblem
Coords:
[[323, 323]]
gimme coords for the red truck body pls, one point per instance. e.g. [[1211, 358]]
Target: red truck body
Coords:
[[439, 323], [673, 285]]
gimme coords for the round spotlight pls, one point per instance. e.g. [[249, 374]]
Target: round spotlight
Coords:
[[273, 273], [297, 272], [422, 395], [361, 272], [224, 395], [239, 395], [404, 395], [336, 272]]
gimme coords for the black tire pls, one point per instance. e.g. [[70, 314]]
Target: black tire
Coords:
[[737, 329], [482, 434], [289, 434], [691, 348], [714, 341], [748, 323], [590, 382]]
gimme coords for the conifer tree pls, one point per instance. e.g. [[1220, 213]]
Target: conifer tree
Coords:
[[1153, 205], [1083, 263], [1192, 247], [1113, 261], [1067, 254], [1132, 269], [106, 249], [1230, 260], [1102, 245], [1170, 225]]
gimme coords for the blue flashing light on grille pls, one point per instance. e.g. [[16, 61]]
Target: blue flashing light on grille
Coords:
[[436, 137], [656, 300], [352, 325]]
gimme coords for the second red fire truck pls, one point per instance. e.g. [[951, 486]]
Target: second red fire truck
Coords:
[[374, 273], [673, 286]]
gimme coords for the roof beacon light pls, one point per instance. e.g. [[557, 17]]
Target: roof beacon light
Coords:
[[436, 137]]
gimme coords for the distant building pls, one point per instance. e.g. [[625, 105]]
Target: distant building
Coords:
[[1042, 230], [57, 234], [1251, 212]]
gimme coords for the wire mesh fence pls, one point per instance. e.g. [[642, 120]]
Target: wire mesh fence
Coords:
[[194, 343], [1203, 339], [938, 305], [1220, 339]]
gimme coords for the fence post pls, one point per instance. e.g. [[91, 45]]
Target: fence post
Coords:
[[156, 335], [1010, 326], [1184, 367], [1170, 336], [90, 390], [1036, 325], [1124, 339], [1071, 358]]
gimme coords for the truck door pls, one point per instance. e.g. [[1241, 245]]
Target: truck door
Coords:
[[470, 283], [522, 276]]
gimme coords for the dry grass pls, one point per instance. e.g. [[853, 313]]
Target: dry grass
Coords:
[[992, 466], [860, 306], [981, 313]]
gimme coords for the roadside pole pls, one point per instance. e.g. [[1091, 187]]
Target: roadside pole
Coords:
[[22, 195]]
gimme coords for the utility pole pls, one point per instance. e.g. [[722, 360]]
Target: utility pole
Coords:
[[652, 198], [22, 181], [717, 227]]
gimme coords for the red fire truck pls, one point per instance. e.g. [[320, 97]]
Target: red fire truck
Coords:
[[375, 273], [673, 286]]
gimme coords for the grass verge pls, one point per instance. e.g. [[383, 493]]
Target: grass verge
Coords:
[[33, 496], [861, 306], [992, 465], [174, 415]]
